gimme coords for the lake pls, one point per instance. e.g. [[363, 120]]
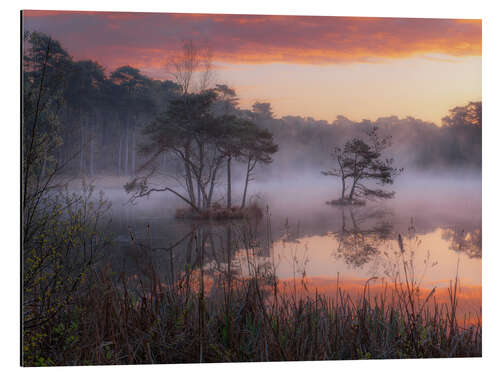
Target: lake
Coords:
[[430, 232]]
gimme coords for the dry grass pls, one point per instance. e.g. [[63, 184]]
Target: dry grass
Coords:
[[135, 321], [190, 317]]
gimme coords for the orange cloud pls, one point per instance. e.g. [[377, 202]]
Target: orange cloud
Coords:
[[147, 39]]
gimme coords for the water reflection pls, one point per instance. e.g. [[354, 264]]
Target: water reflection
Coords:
[[318, 251], [462, 241], [362, 233], [356, 243]]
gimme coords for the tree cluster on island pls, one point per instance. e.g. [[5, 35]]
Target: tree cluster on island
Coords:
[[181, 128], [202, 132], [360, 161]]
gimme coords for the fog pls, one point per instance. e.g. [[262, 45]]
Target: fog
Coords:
[[183, 148], [432, 200]]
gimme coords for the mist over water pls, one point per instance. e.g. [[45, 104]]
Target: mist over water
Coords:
[[224, 232], [443, 211]]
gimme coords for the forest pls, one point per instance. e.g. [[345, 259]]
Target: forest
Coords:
[[103, 119], [170, 289]]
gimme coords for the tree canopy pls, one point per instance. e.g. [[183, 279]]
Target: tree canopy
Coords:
[[361, 161], [101, 115], [199, 137]]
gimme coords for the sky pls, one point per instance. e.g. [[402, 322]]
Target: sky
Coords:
[[320, 67]]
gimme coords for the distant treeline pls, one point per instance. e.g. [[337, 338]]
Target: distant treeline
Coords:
[[416, 144], [100, 118]]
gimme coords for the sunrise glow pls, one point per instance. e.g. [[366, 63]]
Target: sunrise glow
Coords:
[[320, 67]]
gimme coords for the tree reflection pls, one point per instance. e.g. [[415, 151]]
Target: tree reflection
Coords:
[[462, 241], [362, 233]]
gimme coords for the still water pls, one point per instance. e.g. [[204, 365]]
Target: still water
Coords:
[[432, 227]]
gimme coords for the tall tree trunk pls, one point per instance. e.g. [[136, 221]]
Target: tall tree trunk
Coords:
[[125, 162], [104, 128], [189, 175], [91, 140], [133, 150], [120, 155], [212, 182], [339, 160], [243, 201], [82, 146], [200, 176], [229, 182], [354, 179], [92, 131], [198, 188]]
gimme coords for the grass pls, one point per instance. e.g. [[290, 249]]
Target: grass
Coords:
[[144, 320], [177, 325]]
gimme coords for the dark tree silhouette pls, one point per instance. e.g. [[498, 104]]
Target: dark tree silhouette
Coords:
[[462, 134], [229, 143], [257, 147], [199, 140], [101, 116], [189, 132], [263, 109], [361, 161], [59, 234]]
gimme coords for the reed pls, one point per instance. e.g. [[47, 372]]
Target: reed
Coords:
[[222, 317], [140, 321]]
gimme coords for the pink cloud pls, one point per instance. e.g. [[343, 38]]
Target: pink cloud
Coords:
[[148, 39]]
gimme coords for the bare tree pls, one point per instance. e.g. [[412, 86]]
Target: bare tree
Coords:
[[192, 68]]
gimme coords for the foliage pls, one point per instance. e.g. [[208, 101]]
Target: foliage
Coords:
[[102, 115], [360, 161], [60, 235], [145, 320], [210, 312], [463, 130], [64, 243], [199, 136], [76, 313]]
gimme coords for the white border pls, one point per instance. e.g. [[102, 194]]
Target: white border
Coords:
[[10, 91]]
